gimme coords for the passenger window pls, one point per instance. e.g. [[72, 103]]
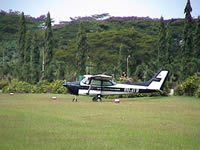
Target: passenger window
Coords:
[[107, 83], [96, 82]]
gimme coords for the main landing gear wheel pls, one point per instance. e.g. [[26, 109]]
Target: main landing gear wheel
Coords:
[[97, 98]]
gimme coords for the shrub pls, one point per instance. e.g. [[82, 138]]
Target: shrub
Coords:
[[178, 91], [3, 83], [57, 88], [18, 87], [42, 87], [197, 93], [165, 90], [188, 87]]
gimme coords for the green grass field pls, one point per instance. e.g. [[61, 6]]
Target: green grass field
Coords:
[[34, 121]]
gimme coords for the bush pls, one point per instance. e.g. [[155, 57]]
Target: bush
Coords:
[[41, 87], [57, 88], [18, 87], [165, 90], [197, 93], [178, 91], [188, 87], [3, 83]]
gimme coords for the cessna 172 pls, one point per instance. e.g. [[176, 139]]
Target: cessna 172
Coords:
[[99, 85]]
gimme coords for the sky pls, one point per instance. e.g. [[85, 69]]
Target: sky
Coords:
[[62, 10]]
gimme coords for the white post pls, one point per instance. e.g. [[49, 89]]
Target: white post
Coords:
[[43, 63], [127, 64]]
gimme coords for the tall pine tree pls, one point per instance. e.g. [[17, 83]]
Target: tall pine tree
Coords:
[[162, 50], [49, 45], [120, 61], [169, 48], [82, 50], [187, 67], [196, 44], [21, 46], [27, 58], [35, 60]]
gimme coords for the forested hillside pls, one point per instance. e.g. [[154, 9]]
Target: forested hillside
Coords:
[[95, 44]]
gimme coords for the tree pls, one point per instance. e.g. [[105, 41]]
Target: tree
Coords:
[[27, 58], [187, 66], [162, 51], [60, 57], [49, 45], [142, 71], [120, 61], [196, 44], [82, 50], [169, 43], [35, 60], [21, 45], [171, 57]]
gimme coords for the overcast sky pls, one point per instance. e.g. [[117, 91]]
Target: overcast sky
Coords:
[[62, 10]]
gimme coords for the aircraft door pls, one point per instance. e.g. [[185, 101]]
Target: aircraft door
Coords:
[[95, 87], [105, 88]]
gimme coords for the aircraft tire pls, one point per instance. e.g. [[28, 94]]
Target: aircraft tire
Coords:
[[94, 99], [98, 99]]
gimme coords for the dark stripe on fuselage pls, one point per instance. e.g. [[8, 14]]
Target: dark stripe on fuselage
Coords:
[[113, 89], [102, 88]]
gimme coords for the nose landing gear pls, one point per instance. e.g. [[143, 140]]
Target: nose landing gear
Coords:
[[75, 99]]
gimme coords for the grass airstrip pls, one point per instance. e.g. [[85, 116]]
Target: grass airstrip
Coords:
[[35, 121]]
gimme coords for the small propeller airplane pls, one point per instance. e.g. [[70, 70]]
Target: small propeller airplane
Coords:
[[100, 85]]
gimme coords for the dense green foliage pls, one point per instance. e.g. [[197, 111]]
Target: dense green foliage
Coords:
[[49, 45], [197, 93], [189, 87], [27, 58], [35, 60], [81, 51], [162, 45], [41, 87], [13, 29], [98, 44], [3, 83], [196, 45], [188, 66], [21, 49]]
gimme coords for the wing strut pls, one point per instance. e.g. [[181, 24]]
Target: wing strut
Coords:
[[88, 93]]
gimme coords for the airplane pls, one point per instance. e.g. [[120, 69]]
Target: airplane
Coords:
[[100, 85]]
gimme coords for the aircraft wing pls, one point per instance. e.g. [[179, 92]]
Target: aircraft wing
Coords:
[[102, 77]]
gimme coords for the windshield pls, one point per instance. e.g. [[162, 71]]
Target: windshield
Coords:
[[85, 80]]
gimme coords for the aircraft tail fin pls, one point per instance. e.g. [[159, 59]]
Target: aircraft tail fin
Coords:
[[157, 82]]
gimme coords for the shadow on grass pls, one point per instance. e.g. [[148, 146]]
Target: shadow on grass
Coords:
[[142, 99]]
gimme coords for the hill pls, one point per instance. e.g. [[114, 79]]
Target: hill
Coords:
[[137, 37]]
